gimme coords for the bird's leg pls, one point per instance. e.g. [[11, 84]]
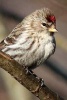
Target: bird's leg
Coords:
[[29, 71]]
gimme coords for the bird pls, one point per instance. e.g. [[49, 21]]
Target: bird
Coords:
[[32, 41]]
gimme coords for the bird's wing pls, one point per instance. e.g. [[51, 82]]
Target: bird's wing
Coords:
[[11, 38]]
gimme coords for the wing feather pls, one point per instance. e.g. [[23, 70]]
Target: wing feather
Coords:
[[11, 38]]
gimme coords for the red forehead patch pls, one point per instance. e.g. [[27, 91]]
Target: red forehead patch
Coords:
[[51, 18]]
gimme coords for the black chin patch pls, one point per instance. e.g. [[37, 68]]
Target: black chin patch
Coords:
[[51, 33]]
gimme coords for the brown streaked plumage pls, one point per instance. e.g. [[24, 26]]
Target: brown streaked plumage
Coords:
[[32, 41]]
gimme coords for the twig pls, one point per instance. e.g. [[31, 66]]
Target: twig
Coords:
[[28, 80]]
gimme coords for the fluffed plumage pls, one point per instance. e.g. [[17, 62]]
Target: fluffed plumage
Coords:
[[32, 41]]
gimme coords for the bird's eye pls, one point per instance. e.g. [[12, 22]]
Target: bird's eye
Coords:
[[44, 24]]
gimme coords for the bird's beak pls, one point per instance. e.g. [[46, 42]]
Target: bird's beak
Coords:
[[52, 29]]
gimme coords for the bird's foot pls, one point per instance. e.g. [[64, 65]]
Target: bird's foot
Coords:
[[40, 80], [28, 71]]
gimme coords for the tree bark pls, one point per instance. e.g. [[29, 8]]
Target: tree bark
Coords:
[[28, 80]]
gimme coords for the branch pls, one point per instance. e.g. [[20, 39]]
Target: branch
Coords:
[[19, 73]]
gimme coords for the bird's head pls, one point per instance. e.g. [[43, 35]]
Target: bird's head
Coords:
[[42, 20]]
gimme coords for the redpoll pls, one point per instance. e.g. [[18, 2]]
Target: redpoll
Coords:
[[32, 41]]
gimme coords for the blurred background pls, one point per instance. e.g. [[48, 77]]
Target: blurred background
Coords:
[[54, 71]]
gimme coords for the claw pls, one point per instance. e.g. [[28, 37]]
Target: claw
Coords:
[[41, 81], [28, 71]]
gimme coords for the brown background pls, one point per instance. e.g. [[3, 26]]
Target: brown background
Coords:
[[55, 72]]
